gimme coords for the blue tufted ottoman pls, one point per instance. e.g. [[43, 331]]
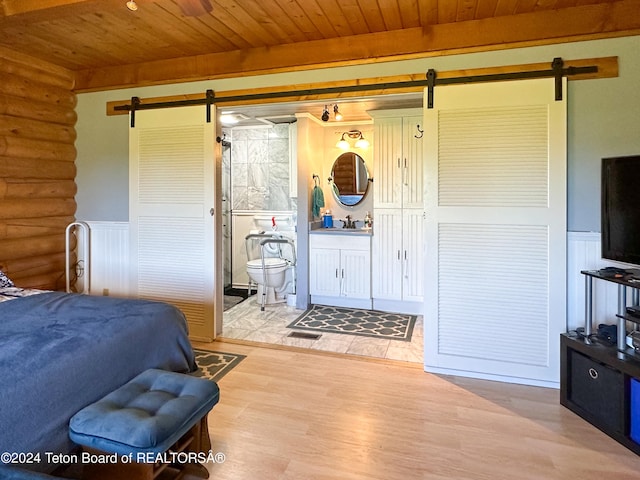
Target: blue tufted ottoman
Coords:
[[150, 423]]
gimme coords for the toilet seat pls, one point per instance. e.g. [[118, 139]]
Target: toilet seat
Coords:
[[268, 263]]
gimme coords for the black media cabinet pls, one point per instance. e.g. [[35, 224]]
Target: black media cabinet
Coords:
[[595, 376]]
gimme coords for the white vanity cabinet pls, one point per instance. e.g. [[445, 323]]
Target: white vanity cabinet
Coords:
[[340, 269], [398, 211]]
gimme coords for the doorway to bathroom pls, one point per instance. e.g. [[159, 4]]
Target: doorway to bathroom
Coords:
[[245, 321], [258, 172]]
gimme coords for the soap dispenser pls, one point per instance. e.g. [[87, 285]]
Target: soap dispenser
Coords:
[[327, 219], [367, 221]]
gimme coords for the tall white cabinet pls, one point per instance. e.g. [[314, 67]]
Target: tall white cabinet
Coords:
[[399, 220]]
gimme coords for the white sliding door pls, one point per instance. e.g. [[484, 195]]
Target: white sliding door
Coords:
[[172, 196], [496, 231]]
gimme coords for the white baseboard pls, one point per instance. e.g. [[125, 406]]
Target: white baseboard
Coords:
[[341, 301], [495, 378], [398, 306]]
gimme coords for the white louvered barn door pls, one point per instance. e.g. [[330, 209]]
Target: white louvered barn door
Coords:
[[172, 231], [495, 300]]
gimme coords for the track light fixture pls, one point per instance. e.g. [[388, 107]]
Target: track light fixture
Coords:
[[344, 144], [336, 113], [325, 114]]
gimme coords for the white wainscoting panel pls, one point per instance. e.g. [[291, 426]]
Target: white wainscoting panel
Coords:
[[109, 261], [584, 253]]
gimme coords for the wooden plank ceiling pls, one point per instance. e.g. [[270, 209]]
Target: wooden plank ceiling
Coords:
[[166, 41]]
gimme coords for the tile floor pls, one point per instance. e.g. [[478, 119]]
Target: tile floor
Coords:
[[245, 321]]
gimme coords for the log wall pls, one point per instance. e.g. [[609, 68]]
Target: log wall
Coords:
[[37, 169]]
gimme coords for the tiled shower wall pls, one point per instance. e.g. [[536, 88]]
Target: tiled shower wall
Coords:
[[260, 169]]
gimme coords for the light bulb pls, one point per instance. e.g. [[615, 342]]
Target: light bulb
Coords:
[[362, 142], [336, 113], [342, 143]]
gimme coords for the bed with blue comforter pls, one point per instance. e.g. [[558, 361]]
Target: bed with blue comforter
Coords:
[[60, 352]]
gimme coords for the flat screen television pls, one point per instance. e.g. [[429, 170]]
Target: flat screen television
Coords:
[[620, 216]]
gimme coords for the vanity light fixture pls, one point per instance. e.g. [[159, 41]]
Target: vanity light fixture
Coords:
[[342, 143], [361, 142], [131, 5]]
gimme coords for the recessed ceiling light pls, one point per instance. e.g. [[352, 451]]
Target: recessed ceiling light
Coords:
[[228, 119], [131, 5], [231, 118]]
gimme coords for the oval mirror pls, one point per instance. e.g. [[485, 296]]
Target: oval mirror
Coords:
[[350, 179]]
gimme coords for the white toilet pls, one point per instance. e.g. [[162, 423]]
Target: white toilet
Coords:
[[272, 278], [273, 271]]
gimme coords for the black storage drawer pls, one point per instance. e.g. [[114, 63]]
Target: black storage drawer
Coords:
[[599, 390]]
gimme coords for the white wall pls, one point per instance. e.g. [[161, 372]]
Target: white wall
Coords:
[[310, 138]]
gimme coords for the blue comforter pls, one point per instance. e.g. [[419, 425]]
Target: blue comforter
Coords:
[[60, 352]]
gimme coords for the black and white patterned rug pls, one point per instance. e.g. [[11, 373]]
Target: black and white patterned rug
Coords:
[[215, 365], [353, 321]]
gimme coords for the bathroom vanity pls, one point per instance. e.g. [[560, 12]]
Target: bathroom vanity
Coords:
[[340, 267]]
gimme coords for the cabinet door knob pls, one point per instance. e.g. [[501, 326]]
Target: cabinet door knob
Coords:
[[593, 373]]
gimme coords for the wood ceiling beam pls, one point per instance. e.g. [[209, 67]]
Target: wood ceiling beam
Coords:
[[538, 28]]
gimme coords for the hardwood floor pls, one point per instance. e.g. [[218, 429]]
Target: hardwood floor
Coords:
[[299, 414]]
